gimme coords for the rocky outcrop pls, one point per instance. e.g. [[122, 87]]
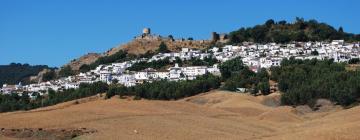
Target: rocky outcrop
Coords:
[[38, 78]]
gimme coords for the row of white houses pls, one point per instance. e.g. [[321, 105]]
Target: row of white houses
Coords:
[[253, 55]]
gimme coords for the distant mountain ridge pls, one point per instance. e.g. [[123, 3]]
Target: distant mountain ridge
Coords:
[[16, 72]]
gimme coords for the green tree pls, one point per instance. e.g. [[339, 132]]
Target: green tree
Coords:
[[269, 23], [354, 61], [264, 87], [231, 66], [49, 75], [115, 81], [315, 52], [163, 48], [84, 68], [66, 71], [305, 81]]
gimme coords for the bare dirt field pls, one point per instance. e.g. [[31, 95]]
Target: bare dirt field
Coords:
[[214, 115]]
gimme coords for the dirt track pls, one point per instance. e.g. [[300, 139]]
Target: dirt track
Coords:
[[215, 115]]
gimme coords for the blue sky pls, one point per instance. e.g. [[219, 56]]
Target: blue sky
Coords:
[[53, 32]]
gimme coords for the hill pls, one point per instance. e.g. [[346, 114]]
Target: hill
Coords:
[[15, 72], [86, 59], [213, 115], [141, 45], [271, 31], [283, 32]]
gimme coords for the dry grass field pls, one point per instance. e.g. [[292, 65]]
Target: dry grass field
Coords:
[[214, 115]]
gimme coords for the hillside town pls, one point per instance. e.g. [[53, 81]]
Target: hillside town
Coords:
[[255, 56]]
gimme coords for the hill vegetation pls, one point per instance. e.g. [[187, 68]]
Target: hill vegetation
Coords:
[[13, 102], [167, 90], [283, 32], [237, 75], [305, 81], [53, 74], [165, 63], [16, 72]]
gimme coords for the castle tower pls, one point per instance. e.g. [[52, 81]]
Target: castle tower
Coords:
[[223, 37], [146, 31], [214, 36]]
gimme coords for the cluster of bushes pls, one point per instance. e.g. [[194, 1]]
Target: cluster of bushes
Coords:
[[16, 72], [119, 56], [66, 71], [208, 61], [163, 48], [354, 61], [153, 64], [283, 32], [50, 75], [305, 81], [161, 64], [13, 102], [167, 90], [237, 75]]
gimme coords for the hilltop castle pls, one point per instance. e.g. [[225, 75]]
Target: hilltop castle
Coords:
[[146, 34]]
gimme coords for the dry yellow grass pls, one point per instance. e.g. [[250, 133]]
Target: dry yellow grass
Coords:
[[214, 115], [141, 46]]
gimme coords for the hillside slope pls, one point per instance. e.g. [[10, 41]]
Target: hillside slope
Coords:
[[140, 46], [86, 59], [213, 115]]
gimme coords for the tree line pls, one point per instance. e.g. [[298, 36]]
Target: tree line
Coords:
[[167, 90], [13, 102]]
